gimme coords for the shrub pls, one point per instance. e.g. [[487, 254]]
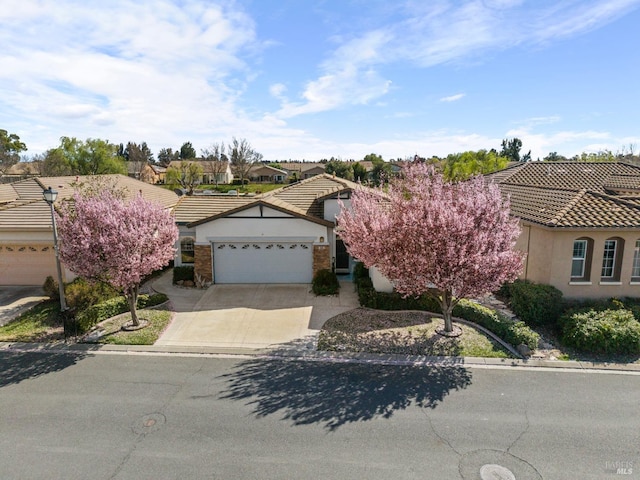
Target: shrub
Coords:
[[607, 331], [325, 282], [515, 333], [184, 272], [237, 181], [360, 272], [534, 303], [50, 288], [145, 301], [81, 294]]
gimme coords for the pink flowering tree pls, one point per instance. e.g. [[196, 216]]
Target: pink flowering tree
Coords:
[[106, 238], [448, 240]]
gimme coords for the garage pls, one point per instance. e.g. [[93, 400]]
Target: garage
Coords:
[[262, 262], [26, 264]]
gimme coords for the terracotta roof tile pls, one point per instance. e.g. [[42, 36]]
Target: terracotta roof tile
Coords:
[[573, 194]]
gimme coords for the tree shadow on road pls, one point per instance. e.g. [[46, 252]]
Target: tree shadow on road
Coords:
[[18, 366], [334, 394]]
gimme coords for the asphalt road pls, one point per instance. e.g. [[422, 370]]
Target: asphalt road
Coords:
[[168, 417]]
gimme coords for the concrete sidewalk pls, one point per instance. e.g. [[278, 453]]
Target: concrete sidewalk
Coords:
[[249, 317]]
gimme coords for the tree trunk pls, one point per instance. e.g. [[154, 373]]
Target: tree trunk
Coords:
[[132, 298], [446, 303]]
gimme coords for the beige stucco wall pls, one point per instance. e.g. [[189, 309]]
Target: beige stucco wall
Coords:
[[550, 254]]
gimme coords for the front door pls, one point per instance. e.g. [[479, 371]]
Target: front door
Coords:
[[342, 257]]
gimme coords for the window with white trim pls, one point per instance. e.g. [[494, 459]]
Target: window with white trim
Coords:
[[635, 271], [579, 259], [612, 259]]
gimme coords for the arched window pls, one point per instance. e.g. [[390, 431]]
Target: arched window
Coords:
[[581, 259], [186, 250], [612, 259]]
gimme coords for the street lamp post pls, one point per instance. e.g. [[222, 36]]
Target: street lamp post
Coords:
[[50, 196]]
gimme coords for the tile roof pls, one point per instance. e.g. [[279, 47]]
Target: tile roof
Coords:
[[65, 188], [577, 175], [573, 194], [29, 211], [301, 199], [193, 208], [300, 166], [7, 193]]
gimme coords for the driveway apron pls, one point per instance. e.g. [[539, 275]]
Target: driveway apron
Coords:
[[16, 300], [249, 316]]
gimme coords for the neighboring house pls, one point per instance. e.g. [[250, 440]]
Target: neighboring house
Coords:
[[302, 170], [263, 173], [283, 236], [159, 174], [211, 170], [21, 171], [580, 225], [26, 239], [147, 173]]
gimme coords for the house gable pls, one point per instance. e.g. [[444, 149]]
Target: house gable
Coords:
[[262, 209]]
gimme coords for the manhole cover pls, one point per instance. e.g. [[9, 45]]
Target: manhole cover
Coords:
[[495, 465], [148, 423], [492, 471]]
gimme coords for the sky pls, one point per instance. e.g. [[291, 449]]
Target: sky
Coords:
[[313, 79]]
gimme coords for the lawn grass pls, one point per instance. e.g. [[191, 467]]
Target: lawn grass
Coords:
[[408, 333], [42, 323], [158, 320]]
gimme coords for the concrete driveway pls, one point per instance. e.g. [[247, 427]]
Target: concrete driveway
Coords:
[[241, 317], [15, 300]]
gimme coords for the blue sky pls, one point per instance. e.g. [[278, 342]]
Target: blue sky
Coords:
[[305, 79]]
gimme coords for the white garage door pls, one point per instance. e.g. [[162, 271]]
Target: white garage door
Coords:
[[263, 262], [26, 264]]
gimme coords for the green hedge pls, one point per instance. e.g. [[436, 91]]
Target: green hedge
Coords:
[[184, 272], [112, 307], [534, 303], [515, 333], [325, 282], [605, 331]]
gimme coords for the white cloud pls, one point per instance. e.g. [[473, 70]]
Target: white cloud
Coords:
[[153, 71], [347, 86], [432, 33], [453, 98], [278, 90]]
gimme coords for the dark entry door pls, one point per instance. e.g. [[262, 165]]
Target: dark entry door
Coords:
[[342, 257]]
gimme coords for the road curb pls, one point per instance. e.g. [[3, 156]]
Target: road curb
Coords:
[[311, 355]]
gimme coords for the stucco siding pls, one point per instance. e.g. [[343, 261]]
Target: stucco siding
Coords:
[[260, 227], [550, 258], [332, 208]]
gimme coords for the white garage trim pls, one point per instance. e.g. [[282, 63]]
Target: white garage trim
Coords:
[[261, 239], [281, 260]]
